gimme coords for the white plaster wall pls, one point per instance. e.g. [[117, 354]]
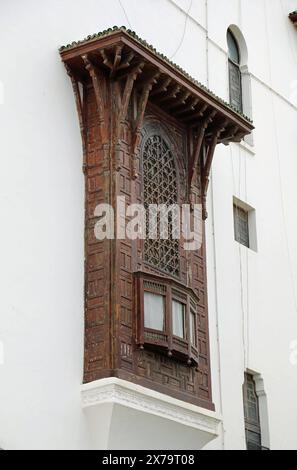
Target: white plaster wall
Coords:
[[253, 316]]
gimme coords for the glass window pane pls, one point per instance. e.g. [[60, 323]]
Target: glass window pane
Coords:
[[153, 311], [178, 319], [235, 87], [233, 49], [193, 329]]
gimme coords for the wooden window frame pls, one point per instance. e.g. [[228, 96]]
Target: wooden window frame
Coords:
[[165, 341]]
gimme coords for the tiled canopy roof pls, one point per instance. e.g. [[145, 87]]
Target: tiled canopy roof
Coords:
[[132, 34]]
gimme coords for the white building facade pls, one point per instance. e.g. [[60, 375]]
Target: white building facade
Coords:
[[252, 291]]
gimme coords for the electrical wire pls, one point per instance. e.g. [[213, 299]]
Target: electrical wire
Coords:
[[282, 196], [184, 30], [244, 321], [125, 13]]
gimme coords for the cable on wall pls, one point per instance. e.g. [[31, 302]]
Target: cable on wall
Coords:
[[244, 314], [282, 196], [125, 13], [184, 30], [218, 336]]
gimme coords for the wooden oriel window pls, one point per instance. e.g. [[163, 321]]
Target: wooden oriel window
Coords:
[[235, 84], [149, 133], [167, 317], [251, 414]]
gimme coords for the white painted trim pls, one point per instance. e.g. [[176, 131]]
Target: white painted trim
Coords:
[[246, 146], [117, 391]]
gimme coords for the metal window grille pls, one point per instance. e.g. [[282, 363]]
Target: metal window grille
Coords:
[[241, 225]]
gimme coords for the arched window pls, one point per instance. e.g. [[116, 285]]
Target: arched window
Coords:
[[235, 82], [160, 187]]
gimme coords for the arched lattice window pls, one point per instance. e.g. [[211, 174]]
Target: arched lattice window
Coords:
[[235, 83], [160, 187]]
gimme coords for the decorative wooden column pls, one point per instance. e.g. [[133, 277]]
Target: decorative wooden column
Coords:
[[122, 86]]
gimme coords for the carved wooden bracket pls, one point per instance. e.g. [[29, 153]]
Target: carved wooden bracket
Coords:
[[197, 150], [206, 165], [123, 100], [125, 70], [79, 101], [141, 106], [98, 81]]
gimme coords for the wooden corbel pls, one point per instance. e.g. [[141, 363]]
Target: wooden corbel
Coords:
[[179, 101], [98, 89], [197, 150], [130, 79], [230, 135], [126, 62], [171, 94], [162, 88], [117, 59], [106, 59], [198, 113], [147, 87], [188, 109], [123, 104], [206, 165], [79, 101]]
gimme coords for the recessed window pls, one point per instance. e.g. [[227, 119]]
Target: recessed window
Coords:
[[241, 225], [153, 311], [251, 414], [235, 85], [178, 319], [240, 93], [244, 217]]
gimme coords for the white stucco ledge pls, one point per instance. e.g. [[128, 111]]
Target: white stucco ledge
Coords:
[[123, 415]]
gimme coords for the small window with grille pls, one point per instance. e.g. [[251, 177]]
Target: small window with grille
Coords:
[[251, 414], [241, 225], [244, 218]]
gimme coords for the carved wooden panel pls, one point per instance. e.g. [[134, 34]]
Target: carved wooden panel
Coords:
[[160, 187]]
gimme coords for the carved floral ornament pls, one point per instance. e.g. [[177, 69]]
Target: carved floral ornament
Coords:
[[126, 73]]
